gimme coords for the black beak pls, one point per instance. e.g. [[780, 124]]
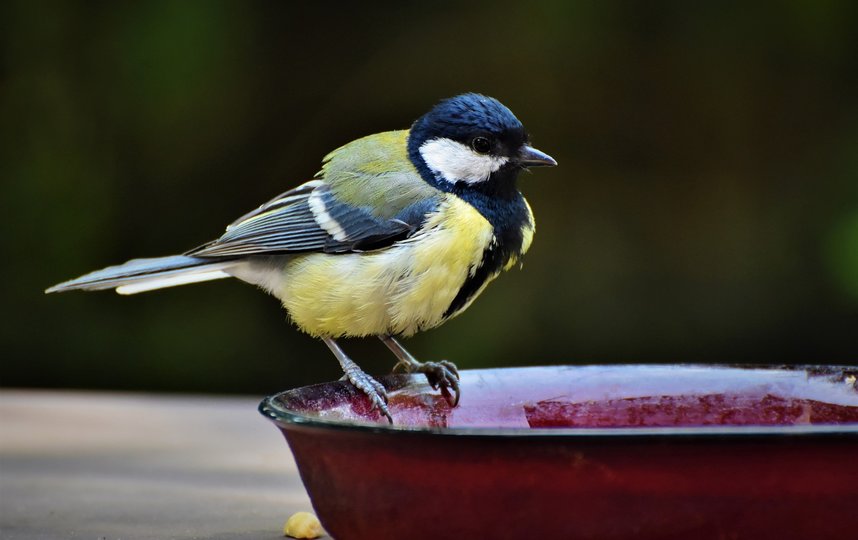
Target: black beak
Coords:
[[531, 157]]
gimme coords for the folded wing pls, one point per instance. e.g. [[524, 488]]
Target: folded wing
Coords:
[[311, 218]]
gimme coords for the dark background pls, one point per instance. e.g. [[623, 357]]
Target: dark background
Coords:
[[705, 208]]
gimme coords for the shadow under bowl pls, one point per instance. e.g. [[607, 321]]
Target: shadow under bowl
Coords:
[[596, 452]]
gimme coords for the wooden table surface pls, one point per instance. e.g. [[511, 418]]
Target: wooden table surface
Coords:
[[110, 466]]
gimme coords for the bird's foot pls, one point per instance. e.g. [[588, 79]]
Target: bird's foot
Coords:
[[443, 375], [373, 389]]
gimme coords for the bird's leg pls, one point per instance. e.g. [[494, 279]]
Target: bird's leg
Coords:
[[443, 374], [373, 389]]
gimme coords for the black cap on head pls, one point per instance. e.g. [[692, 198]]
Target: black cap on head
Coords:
[[464, 117]]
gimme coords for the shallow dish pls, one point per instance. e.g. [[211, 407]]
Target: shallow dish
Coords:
[[627, 451]]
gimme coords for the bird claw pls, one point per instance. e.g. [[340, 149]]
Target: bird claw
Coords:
[[443, 375], [373, 390]]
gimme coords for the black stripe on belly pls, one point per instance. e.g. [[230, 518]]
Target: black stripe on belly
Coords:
[[493, 261], [508, 218]]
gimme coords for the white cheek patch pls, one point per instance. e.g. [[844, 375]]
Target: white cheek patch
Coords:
[[455, 162]]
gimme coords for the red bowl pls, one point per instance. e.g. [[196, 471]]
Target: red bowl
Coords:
[[632, 451]]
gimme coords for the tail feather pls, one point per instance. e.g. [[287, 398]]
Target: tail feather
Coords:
[[139, 275]]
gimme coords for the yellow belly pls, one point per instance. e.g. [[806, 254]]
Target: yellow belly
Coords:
[[399, 290]]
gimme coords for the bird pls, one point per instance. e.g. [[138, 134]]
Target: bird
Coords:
[[397, 233]]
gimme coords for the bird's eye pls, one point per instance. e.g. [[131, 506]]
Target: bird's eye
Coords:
[[481, 145]]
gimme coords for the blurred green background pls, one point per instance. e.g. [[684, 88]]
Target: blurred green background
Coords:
[[705, 208]]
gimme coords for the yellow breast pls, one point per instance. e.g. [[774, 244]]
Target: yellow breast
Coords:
[[399, 290]]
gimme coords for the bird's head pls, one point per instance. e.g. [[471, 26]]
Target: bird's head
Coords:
[[472, 141]]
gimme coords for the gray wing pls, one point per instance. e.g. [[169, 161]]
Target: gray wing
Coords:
[[310, 218]]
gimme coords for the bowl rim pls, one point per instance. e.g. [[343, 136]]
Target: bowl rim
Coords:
[[288, 419]]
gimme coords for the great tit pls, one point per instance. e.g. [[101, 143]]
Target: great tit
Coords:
[[399, 232]]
